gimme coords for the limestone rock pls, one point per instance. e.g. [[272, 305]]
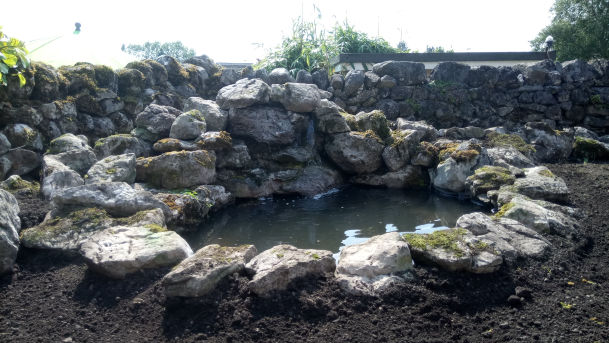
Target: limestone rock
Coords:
[[187, 208], [21, 135], [354, 80], [264, 124], [78, 160], [200, 273], [541, 183], [67, 142], [372, 266], [407, 73], [22, 161], [280, 76], [68, 231], [215, 118], [121, 144], [507, 156], [550, 145], [329, 119], [297, 97], [429, 133], [214, 140], [178, 169], [113, 169], [276, 267], [243, 93], [507, 237], [188, 125], [355, 152], [537, 217], [157, 120], [57, 176], [488, 178], [236, 157], [454, 250], [215, 195], [118, 198], [172, 144], [120, 250], [10, 225]]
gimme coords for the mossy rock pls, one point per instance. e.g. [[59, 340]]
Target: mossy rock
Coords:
[[16, 185], [489, 178], [105, 77], [495, 139], [589, 149], [449, 240], [131, 82], [81, 78]]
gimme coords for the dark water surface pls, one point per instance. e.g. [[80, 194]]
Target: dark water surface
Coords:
[[329, 221]]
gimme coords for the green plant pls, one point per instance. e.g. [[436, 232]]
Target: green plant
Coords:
[[13, 59], [310, 46]]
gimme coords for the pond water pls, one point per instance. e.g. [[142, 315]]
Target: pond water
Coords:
[[329, 221]]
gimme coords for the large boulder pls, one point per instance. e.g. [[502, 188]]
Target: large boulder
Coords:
[[507, 237], [67, 142], [68, 231], [215, 118], [356, 152], [488, 178], [200, 273], [329, 119], [244, 93], [157, 120], [428, 132], [187, 208], [549, 145], [537, 217], [21, 135], [276, 267], [372, 266], [121, 144], [451, 173], [178, 169], [22, 161], [354, 80], [450, 72], [10, 225], [57, 176], [280, 76], [540, 183], [407, 73], [78, 160], [411, 177], [508, 156], [297, 97], [117, 198], [120, 250], [188, 126], [117, 168], [263, 124], [455, 250]]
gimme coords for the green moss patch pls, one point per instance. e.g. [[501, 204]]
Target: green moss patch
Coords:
[[448, 240], [503, 210], [495, 139], [369, 134]]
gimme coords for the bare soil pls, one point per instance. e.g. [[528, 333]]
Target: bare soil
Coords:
[[561, 298]]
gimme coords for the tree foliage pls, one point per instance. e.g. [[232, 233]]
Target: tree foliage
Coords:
[[310, 47], [13, 59], [152, 50], [580, 29], [437, 49]]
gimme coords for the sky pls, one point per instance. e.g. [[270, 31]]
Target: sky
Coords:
[[244, 31]]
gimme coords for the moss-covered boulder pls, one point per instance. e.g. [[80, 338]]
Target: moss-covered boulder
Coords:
[[16, 185], [175, 72], [589, 149], [121, 144], [356, 152], [488, 178], [188, 125], [67, 231], [178, 169], [80, 77], [131, 82], [48, 82], [495, 139], [215, 140]]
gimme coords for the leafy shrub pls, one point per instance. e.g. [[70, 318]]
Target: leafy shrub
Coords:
[[13, 59]]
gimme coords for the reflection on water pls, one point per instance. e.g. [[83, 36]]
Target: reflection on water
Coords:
[[331, 221]]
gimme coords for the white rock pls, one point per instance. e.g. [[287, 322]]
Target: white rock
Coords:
[[276, 267], [372, 266], [120, 250], [200, 273], [113, 169], [10, 225]]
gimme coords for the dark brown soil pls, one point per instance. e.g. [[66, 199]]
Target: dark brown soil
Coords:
[[563, 298]]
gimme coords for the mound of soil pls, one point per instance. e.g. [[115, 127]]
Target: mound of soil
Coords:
[[562, 298]]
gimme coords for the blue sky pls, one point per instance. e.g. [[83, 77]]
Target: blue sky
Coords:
[[242, 31]]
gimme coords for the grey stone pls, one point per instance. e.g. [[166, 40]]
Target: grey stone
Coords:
[[244, 93], [237, 157], [200, 273], [117, 198], [68, 142], [355, 152], [354, 80], [78, 160], [10, 225], [57, 176], [337, 82], [541, 183], [280, 76], [297, 97], [178, 169], [313, 180], [263, 124], [410, 177], [157, 119], [329, 119], [120, 250], [121, 144], [370, 267], [23, 136], [406, 73], [276, 267], [304, 76], [429, 132], [215, 118], [188, 125], [22, 161], [451, 72], [117, 168], [5, 145]]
